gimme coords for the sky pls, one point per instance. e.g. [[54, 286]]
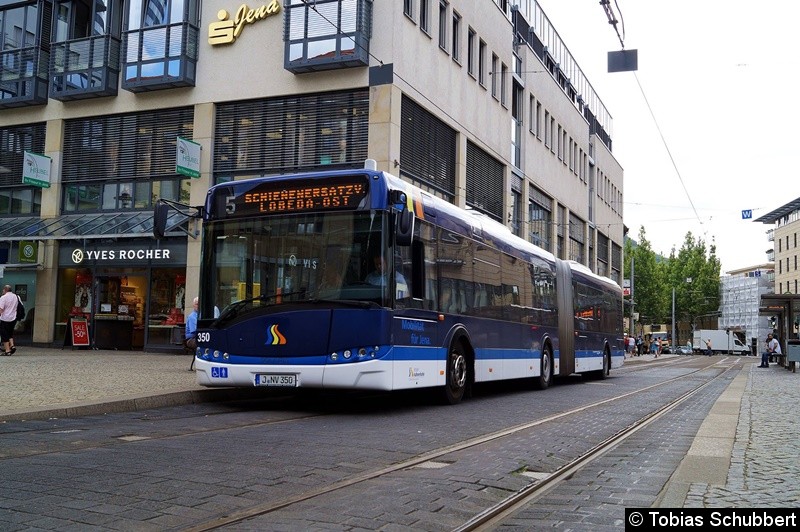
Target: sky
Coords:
[[708, 126]]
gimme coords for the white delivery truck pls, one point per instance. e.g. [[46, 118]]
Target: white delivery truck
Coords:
[[721, 342]]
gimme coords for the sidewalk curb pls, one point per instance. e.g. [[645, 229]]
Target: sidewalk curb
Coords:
[[134, 403]]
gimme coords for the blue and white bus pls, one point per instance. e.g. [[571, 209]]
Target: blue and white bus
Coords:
[[294, 263]]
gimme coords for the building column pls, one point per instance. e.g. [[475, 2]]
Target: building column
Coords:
[[44, 321], [203, 135]]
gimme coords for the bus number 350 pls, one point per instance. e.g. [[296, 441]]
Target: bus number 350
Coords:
[[203, 337]]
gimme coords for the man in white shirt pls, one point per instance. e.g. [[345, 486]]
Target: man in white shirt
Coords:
[[8, 318], [773, 348]]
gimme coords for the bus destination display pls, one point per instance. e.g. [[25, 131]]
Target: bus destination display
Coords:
[[300, 196]]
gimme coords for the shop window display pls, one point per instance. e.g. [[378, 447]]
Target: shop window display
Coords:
[[124, 311]]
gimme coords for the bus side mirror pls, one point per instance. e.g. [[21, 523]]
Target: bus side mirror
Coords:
[[160, 214], [404, 230]]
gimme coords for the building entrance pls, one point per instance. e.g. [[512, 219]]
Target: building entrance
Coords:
[[119, 302]]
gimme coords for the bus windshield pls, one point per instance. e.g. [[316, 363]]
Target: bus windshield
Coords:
[[299, 258]]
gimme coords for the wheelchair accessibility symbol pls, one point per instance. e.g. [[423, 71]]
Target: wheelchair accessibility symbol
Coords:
[[219, 373]]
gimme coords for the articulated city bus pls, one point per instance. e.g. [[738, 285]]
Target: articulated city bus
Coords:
[[355, 279]]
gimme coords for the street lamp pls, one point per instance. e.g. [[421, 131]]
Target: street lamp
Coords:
[[674, 338]]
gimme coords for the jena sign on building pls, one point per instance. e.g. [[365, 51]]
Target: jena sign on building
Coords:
[[227, 29]]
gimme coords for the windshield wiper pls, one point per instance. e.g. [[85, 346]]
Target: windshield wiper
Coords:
[[232, 310], [346, 302]]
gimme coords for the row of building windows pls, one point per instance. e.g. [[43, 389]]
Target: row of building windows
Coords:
[[787, 269], [788, 289], [780, 243], [789, 218], [542, 124]]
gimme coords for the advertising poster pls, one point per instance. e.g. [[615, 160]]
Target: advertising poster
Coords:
[[83, 292]]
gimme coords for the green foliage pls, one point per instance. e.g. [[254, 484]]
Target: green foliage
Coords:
[[694, 273]]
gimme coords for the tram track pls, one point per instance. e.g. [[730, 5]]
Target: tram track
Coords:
[[494, 516], [506, 506]]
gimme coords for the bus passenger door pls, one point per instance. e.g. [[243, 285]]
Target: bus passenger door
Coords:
[[566, 319]]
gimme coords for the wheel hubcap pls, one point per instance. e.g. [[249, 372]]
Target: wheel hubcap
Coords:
[[458, 370]]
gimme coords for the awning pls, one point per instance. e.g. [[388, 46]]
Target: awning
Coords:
[[780, 212], [89, 226]]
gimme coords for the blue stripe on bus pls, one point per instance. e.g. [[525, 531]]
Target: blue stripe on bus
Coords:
[[319, 360], [403, 353]]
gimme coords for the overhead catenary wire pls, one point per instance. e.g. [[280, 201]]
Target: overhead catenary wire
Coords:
[[612, 19], [666, 147]]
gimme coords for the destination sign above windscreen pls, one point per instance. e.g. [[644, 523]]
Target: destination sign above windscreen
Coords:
[[337, 193]]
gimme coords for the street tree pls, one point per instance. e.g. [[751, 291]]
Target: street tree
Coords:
[[650, 294], [694, 274]]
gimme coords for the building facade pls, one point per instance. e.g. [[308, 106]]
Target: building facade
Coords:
[[784, 250], [740, 302], [477, 101], [783, 307]]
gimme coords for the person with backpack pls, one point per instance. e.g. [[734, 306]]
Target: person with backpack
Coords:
[[8, 318]]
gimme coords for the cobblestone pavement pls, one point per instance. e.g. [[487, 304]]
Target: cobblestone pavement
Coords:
[[765, 464], [744, 455]]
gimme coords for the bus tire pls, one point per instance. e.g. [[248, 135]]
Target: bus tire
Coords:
[[545, 377], [601, 374], [456, 374]]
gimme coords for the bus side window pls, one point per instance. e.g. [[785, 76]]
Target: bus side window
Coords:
[[462, 298], [480, 296], [446, 294]]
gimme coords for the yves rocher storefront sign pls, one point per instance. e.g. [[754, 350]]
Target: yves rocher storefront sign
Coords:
[[120, 254]]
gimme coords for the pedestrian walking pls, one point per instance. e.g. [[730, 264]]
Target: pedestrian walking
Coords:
[[709, 351], [658, 347], [8, 318], [773, 348]]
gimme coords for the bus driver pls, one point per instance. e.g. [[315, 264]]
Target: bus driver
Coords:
[[379, 277]]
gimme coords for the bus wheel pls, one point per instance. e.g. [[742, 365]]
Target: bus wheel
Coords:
[[546, 375], [456, 377], [603, 373]]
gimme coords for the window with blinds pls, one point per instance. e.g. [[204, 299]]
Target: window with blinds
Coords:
[[128, 146], [16, 198], [296, 133], [484, 182], [14, 142], [540, 218], [124, 162], [602, 248], [577, 239], [427, 150]]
